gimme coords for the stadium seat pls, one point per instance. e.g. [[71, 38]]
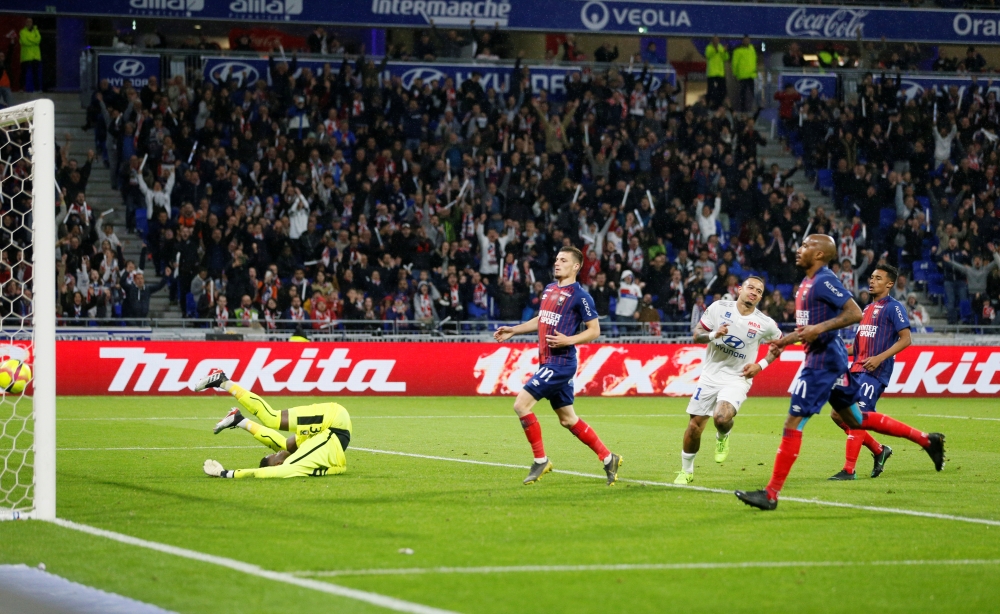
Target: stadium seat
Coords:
[[824, 181], [922, 270], [965, 311], [786, 290], [886, 218], [190, 306], [142, 222], [924, 202], [935, 290]]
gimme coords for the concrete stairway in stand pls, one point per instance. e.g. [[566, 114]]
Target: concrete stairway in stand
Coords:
[[69, 119]]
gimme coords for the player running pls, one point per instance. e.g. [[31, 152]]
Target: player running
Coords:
[[733, 331], [883, 333], [565, 303], [322, 433], [822, 306]]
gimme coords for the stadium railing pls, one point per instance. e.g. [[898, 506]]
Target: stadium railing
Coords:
[[442, 331]]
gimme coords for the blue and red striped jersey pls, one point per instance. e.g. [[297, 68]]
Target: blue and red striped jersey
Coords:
[[820, 298], [562, 310], [881, 322]]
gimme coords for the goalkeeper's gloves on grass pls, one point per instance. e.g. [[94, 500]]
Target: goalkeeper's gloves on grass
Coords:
[[214, 468]]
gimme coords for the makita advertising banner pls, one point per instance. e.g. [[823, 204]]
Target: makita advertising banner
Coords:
[[553, 79], [465, 369], [133, 69], [675, 18], [804, 83]]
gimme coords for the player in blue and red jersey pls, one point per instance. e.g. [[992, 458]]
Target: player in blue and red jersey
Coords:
[[884, 332], [565, 304], [822, 306]]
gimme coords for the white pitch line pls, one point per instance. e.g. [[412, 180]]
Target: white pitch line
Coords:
[[868, 508], [404, 571], [141, 448], [384, 601], [957, 417], [363, 417]]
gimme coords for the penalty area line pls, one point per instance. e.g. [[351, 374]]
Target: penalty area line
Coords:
[[405, 571], [383, 601], [867, 508]]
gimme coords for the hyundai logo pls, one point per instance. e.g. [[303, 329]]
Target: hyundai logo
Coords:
[[594, 15], [426, 74], [912, 89], [733, 341], [244, 74], [807, 85], [129, 68]]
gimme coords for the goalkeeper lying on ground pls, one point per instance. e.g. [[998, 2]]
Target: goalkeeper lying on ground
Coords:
[[322, 433]]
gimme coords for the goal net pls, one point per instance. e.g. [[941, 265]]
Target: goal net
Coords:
[[28, 308]]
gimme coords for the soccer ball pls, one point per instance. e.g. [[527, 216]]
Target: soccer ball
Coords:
[[14, 376]]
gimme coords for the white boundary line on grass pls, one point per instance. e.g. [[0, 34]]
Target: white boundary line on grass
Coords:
[[869, 508], [389, 603], [362, 417], [143, 448], [405, 571], [957, 417]]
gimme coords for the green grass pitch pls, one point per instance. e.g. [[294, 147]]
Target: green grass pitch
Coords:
[[133, 465]]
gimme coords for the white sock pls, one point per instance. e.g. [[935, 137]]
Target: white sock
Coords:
[[246, 425], [608, 459], [687, 461], [721, 436], [539, 461], [226, 385]]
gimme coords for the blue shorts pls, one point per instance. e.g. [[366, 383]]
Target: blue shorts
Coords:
[[812, 390], [553, 382], [860, 388]]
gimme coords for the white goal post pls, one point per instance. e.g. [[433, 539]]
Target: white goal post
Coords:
[[38, 118]]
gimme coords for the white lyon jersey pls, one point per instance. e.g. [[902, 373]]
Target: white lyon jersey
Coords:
[[728, 354]]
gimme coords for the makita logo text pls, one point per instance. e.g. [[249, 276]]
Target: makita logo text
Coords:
[[446, 12], [337, 373], [840, 23], [548, 317], [867, 330]]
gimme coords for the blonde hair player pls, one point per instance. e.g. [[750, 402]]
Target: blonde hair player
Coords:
[[322, 433], [733, 330]]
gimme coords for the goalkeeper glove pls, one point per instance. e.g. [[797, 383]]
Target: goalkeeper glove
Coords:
[[214, 468]]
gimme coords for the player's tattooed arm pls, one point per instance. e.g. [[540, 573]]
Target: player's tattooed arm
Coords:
[[504, 333], [704, 336], [754, 368]]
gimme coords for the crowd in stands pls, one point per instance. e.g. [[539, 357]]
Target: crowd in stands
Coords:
[[917, 177], [342, 200]]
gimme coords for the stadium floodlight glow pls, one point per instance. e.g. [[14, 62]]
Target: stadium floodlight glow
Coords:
[[28, 436]]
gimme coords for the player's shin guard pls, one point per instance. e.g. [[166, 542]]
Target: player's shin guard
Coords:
[[855, 439], [791, 443], [881, 423], [587, 435], [533, 431], [269, 437], [256, 406]]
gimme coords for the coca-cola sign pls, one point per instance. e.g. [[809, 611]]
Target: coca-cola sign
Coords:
[[829, 23], [465, 369]]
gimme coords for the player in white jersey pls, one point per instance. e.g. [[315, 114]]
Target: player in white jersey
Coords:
[[733, 330]]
